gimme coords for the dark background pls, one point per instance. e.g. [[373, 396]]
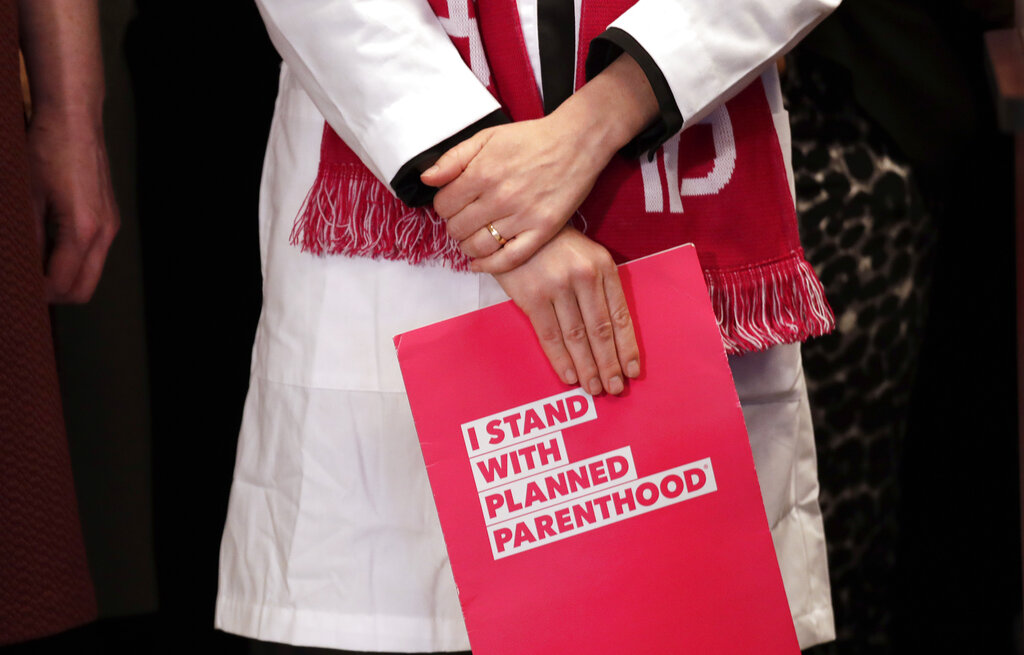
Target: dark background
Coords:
[[191, 88]]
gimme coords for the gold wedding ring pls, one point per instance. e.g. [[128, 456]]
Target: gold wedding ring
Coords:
[[497, 235]]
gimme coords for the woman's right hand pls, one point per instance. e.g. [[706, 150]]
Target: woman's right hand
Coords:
[[571, 292]]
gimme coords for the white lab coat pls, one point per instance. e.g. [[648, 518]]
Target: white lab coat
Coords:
[[331, 537]]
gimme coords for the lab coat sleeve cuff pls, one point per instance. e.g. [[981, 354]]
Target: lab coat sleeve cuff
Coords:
[[604, 49], [406, 182], [709, 51]]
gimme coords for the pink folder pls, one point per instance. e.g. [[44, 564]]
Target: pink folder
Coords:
[[598, 524]]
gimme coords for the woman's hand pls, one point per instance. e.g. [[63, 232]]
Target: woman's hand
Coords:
[[527, 179], [571, 292], [70, 174], [74, 203]]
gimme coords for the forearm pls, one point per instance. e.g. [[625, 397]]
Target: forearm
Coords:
[[60, 41], [610, 109], [706, 51], [67, 157], [383, 73], [532, 175]]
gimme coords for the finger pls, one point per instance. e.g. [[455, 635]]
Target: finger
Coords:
[[574, 335], [65, 263], [452, 163], [516, 251], [92, 268], [625, 336], [475, 214], [458, 196], [482, 243], [545, 324], [590, 294]]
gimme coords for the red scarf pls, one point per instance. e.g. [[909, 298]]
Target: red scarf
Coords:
[[720, 184]]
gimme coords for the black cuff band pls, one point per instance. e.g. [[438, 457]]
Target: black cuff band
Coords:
[[604, 49], [407, 184]]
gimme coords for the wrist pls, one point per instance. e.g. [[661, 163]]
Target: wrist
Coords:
[[613, 107], [80, 122], [593, 131]]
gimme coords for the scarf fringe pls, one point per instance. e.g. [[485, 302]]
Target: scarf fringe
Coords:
[[759, 307], [386, 227], [770, 304]]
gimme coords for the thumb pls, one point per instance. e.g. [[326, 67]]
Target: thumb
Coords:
[[452, 163]]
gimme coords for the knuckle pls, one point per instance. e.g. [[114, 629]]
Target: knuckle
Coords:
[[479, 176], [583, 272], [550, 336], [603, 330], [548, 216], [621, 317], [505, 192], [576, 334], [87, 231], [560, 286]]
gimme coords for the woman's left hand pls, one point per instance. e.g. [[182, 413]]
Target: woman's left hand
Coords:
[[525, 179]]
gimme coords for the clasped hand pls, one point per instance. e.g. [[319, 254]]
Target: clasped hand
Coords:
[[526, 180], [74, 200]]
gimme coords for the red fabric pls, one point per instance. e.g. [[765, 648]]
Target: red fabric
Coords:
[[720, 185], [45, 585], [751, 220]]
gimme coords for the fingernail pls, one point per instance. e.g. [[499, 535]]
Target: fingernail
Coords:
[[570, 376], [615, 385], [633, 368], [595, 386], [431, 170]]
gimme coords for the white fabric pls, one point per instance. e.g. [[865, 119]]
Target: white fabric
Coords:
[[773, 396], [331, 537], [389, 81], [708, 51], [382, 72]]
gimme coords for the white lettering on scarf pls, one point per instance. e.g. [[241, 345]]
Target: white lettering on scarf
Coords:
[[706, 185], [460, 25]]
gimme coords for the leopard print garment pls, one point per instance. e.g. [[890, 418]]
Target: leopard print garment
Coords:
[[869, 237]]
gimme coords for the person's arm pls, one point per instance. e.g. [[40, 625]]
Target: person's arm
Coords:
[[528, 178], [385, 76], [698, 54], [667, 64], [70, 173], [688, 55], [564, 282]]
